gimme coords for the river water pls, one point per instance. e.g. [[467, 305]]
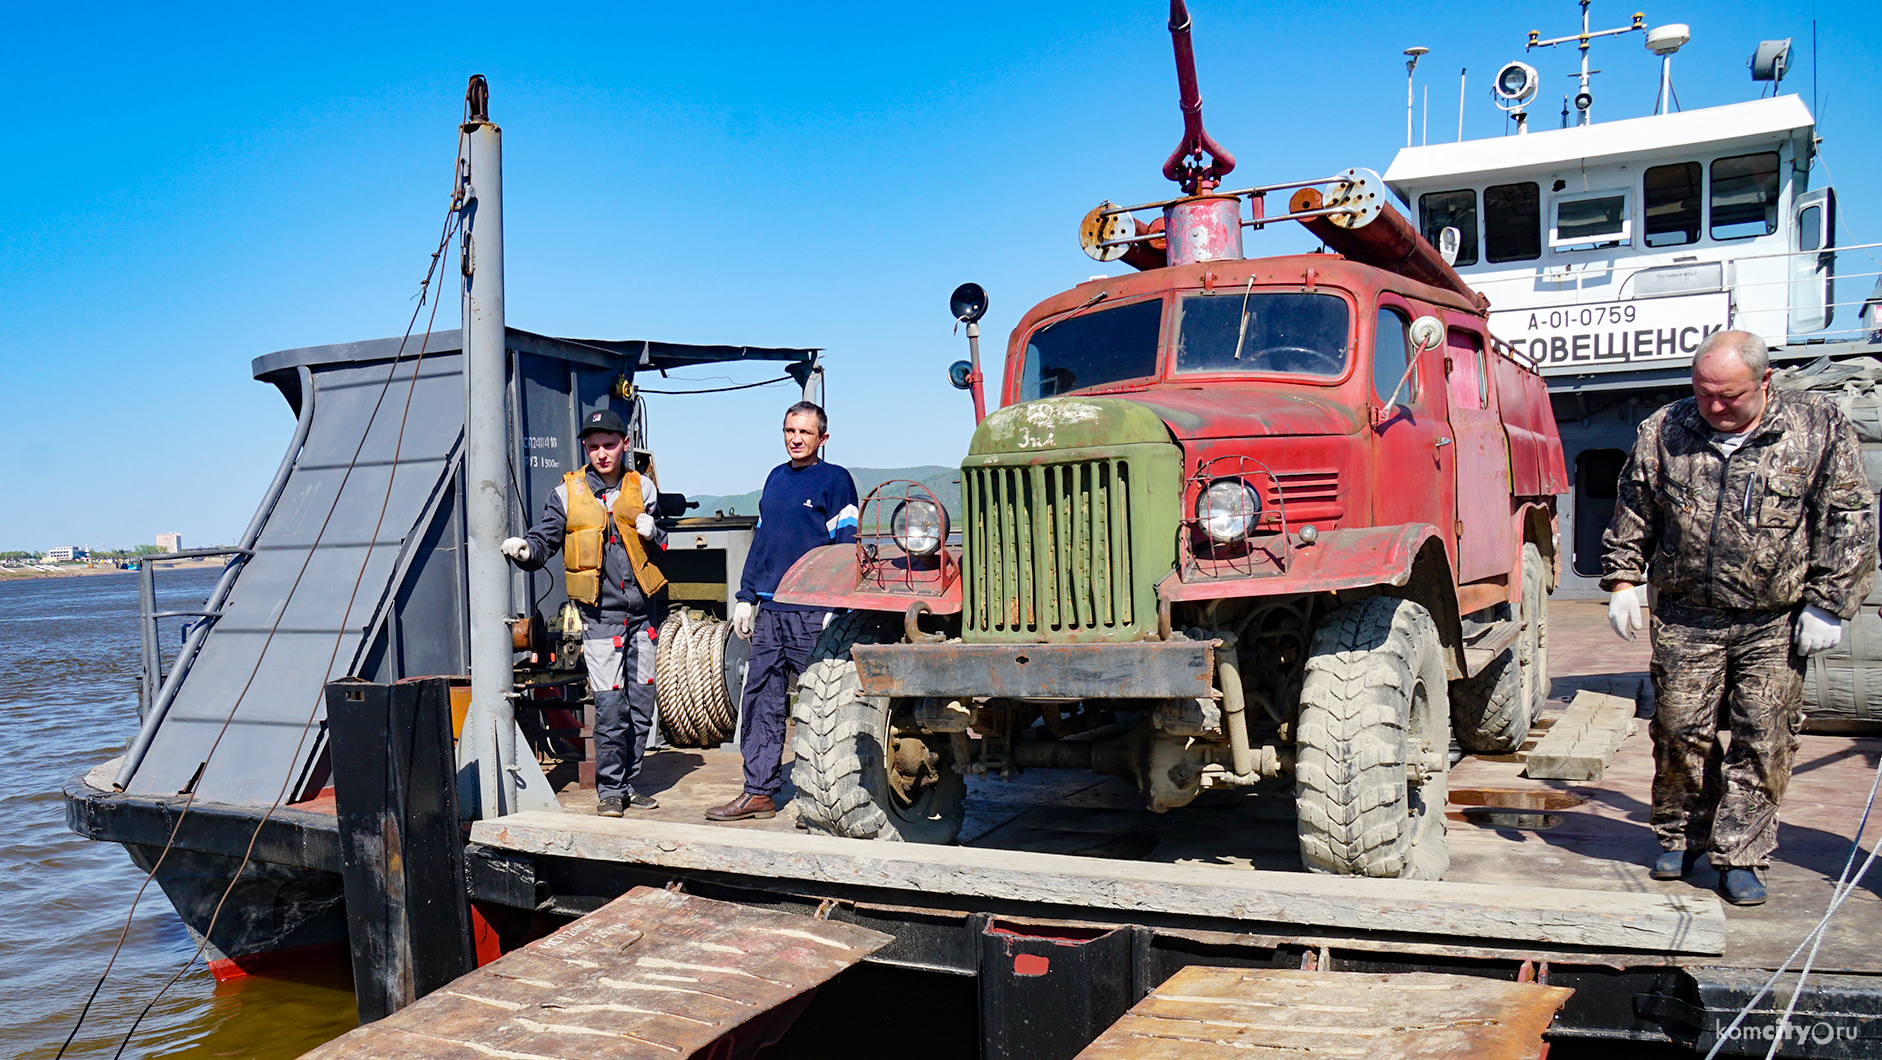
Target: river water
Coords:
[[69, 650]]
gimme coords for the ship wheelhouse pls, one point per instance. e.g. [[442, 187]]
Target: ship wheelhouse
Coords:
[[1610, 251]]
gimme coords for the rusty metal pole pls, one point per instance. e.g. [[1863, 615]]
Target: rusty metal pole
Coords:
[[486, 437], [978, 390]]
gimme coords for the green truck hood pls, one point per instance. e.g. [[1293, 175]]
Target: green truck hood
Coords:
[[1066, 423]]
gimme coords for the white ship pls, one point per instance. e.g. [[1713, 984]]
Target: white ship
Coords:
[[1610, 250]]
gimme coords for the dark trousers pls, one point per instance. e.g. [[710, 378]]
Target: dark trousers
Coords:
[[1717, 672], [620, 675], [780, 645]]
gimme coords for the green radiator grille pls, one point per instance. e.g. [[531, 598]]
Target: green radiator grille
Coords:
[[1047, 549]]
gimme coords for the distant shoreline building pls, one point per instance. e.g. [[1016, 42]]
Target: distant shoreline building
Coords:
[[68, 553], [170, 542]]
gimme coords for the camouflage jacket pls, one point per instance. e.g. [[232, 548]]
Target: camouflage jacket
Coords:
[[1788, 518]]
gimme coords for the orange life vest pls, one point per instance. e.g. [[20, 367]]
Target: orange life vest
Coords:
[[582, 537]]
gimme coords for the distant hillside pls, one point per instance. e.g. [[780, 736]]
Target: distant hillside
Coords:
[[941, 480]]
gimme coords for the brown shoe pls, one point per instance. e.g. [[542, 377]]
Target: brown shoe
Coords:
[[745, 807]]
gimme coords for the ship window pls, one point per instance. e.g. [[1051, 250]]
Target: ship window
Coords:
[[1512, 222], [1744, 196], [1591, 220], [1092, 348], [1671, 205], [1282, 333], [1439, 210], [1810, 228], [1391, 347]]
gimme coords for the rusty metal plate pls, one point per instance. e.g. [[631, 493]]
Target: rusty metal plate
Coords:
[[1132, 670], [651, 974], [1201, 1013]]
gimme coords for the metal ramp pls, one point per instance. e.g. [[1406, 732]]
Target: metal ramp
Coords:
[[347, 525], [653, 973], [355, 562], [1203, 1013]]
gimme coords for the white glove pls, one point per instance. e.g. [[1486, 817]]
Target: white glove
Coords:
[[516, 548], [1624, 613], [644, 524], [742, 619], [1816, 630]]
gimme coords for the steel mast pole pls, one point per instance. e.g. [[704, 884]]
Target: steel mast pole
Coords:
[[486, 437]]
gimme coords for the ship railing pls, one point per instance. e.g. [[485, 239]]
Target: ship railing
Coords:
[[1867, 299], [150, 619]]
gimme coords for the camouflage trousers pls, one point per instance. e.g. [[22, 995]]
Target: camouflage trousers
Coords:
[[1714, 673]]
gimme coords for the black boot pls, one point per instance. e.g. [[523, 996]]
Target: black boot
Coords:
[[1675, 864], [1741, 886]]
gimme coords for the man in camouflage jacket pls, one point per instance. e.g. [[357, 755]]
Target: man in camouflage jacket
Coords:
[[1749, 510]]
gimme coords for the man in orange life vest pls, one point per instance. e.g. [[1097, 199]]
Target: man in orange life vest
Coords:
[[601, 519]]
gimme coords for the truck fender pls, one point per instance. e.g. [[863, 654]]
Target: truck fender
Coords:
[[833, 576], [1355, 558], [1407, 560]]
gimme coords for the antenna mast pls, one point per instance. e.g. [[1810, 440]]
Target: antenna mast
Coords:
[[1584, 100]]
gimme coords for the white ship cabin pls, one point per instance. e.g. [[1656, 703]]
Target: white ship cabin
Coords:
[[1609, 251]]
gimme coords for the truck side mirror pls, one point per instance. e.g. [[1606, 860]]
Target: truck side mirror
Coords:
[[958, 373], [1450, 239], [1427, 333]]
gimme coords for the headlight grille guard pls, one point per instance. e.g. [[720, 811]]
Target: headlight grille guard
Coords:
[[880, 562], [1257, 553]]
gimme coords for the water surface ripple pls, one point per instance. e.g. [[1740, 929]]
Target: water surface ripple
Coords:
[[69, 650]]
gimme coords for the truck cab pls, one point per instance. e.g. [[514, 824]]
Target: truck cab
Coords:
[[1234, 520]]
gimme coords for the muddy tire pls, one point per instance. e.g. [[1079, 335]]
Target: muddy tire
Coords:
[[1490, 712], [1532, 647], [857, 773], [1374, 702]]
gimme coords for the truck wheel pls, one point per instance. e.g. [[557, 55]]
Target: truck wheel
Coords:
[[1372, 763], [1532, 648], [859, 772], [1490, 712]]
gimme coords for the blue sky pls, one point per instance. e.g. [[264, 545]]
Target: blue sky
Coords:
[[190, 187]]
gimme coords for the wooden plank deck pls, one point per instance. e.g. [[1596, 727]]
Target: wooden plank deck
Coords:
[[1204, 1013], [1463, 913], [1506, 830], [653, 973]]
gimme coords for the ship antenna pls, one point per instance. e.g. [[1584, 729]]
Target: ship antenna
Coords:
[[1185, 164]]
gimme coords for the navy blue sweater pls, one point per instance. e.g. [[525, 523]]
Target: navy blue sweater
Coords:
[[802, 509]]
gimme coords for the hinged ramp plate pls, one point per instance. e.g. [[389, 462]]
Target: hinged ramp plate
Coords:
[[1203, 1013], [651, 974]]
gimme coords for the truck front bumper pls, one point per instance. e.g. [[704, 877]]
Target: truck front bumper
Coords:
[[1177, 669]]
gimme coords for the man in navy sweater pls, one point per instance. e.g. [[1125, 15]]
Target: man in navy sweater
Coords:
[[806, 503]]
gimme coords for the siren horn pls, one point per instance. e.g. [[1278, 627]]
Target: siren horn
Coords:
[[1195, 178]]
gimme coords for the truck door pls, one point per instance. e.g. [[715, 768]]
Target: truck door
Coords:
[[1484, 536], [1813, 237], [1413, 448]]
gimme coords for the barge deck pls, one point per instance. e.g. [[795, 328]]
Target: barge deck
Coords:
[[1547, 883]]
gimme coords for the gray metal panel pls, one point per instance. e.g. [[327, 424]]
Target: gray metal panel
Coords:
[[306, 595]]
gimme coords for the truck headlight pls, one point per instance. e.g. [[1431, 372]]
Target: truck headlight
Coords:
[[1227, 510], [920, 527]]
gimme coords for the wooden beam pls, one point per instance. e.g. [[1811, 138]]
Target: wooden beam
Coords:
[[1460, 913]]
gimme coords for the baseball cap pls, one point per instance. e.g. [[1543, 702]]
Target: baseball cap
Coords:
[[603, 420]]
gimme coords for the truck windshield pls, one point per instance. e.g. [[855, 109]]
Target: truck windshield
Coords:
[[1092, 348], [1288, 334]]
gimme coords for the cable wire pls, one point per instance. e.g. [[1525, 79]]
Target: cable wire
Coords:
[[716, 389], [450, 225], [1845, 886]]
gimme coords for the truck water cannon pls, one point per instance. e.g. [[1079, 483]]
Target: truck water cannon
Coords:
[[1185, 163], [1349, 211]]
